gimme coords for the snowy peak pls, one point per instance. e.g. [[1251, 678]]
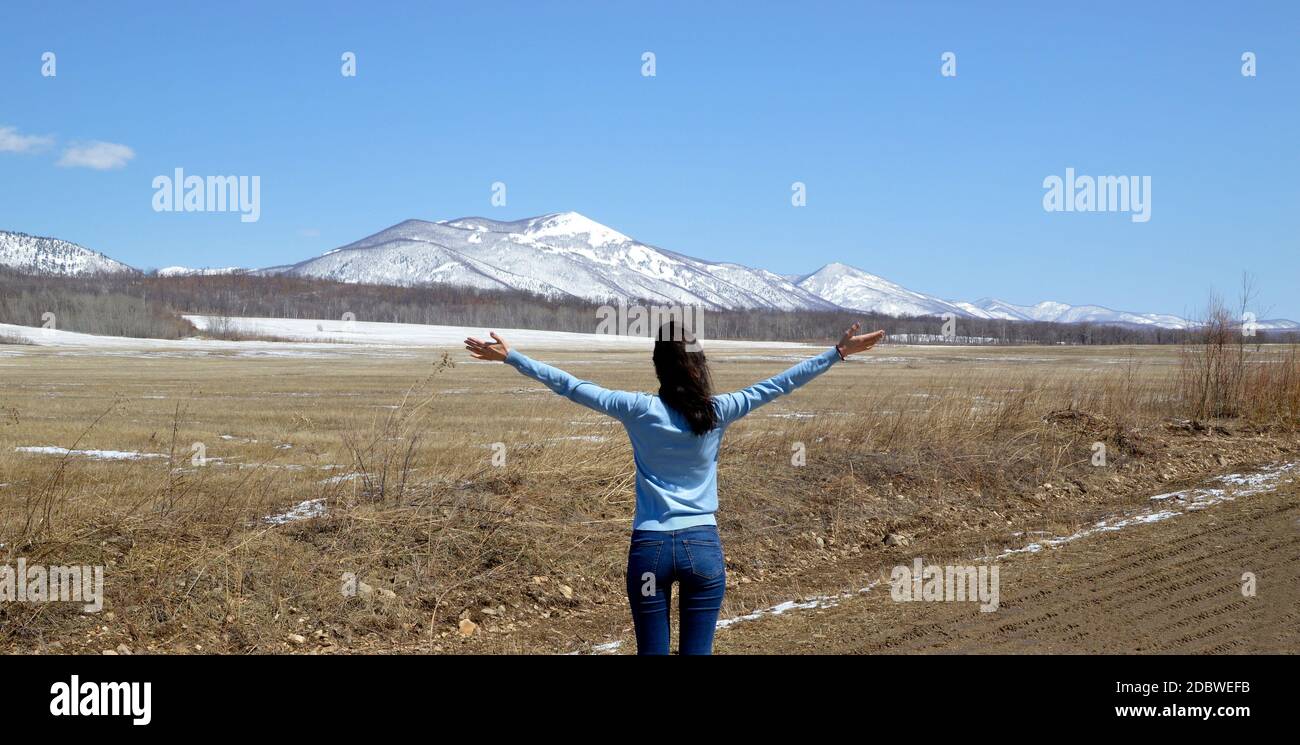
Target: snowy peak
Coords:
[[31, 254], [561, 226], [852, 288], [573, 225], [995, 308]]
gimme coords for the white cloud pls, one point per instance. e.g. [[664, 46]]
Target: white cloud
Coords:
[[11, 141], [101, 156]]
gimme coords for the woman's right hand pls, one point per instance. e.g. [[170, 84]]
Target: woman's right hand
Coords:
[[851, 344], [482, 350]]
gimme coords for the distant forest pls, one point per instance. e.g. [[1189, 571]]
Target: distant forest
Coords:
[[147, 306]]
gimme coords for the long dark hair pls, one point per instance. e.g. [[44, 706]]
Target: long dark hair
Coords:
[[683, 372]]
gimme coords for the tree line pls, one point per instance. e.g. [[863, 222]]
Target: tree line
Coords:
[[149, 306]]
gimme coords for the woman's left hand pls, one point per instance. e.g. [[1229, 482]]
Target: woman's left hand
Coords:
[[852, 343], [482, 350]]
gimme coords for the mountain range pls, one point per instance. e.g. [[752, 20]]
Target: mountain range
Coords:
[[568, 254]]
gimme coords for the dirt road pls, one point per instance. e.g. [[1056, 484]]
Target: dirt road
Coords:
[[1172, 586]]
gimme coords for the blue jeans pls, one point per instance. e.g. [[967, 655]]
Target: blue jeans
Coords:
[[692, 557]]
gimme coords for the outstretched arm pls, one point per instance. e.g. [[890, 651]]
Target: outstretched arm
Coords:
[[733, 406], [618, 404]]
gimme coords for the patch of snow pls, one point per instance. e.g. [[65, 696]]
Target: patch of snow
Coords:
[[341, 479], [301, 511], [95, 454], [333, 339], [1197, 498], [819, 601]]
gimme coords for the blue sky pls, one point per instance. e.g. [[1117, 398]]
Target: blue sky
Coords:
[[930, 181]]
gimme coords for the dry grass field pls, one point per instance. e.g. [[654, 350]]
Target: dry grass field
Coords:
[[174, 465]]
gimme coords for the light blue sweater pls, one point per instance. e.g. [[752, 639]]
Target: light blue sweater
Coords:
[[676, 471]]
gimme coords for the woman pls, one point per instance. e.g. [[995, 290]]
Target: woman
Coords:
[[675, 438]]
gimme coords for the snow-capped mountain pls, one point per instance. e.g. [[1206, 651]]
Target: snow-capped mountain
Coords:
[[185, 271], [559, 254], [849, 287], [569, 254], [855, 289], [31, 254], [1064, 313], [1277, 324], [852, 288]]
